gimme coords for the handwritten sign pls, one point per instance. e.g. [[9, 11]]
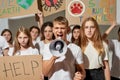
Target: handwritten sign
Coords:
[[52, 6], [103, 11], [21, 67], [11, 8]]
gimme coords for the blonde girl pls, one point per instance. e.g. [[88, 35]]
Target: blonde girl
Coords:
[[94, 51], [23, 44]]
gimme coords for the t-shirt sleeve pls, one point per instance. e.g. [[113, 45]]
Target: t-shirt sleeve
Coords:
[[106, 51], [46, 52], [4, 43], [79, 56], [10, 51], [36, 52]]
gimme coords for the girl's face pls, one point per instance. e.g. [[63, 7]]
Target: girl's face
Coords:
[[76, 33], [89, 29], [7, 36], [34, 34], [23, 39], [48, 33]]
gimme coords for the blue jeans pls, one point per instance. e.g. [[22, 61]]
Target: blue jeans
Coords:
[[95, 74]]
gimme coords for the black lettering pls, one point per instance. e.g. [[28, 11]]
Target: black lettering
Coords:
[[46, 8], [34, 65], [6, 70], [58, 5], [16, 68], [24, 69]]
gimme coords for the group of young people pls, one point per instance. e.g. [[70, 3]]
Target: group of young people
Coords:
[[87, 53]]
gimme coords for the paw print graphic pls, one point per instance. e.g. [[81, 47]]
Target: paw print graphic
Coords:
[[51, 2], [76, 8]]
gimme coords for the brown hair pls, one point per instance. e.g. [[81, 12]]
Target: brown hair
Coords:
[[61, 20], [73, 39], [7, 30], [35, 27], [46, 24]]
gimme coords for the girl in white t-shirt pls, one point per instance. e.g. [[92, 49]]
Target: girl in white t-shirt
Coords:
[[94, 50], [3, 46], [47, 35], [8, 36], [114, 46], [23, 44], [46, 38], [76, 35], [35, 32]]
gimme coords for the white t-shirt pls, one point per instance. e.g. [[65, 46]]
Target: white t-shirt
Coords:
[[29, 51], [115, 69], [69, 36], [91, 57], [3, 45], [41, 46], [64, 67], [36, 41]]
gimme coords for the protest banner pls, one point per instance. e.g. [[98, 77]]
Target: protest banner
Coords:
[[12, 8], [103, 11], [50, 7], [21, 67]]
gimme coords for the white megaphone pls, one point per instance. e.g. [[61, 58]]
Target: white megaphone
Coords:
[[58, 47]]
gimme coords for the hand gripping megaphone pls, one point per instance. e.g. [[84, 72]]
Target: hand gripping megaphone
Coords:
[[58, 47]]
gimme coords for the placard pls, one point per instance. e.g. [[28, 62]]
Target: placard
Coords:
[[21, 67], [50, 7], [103, 11], [12, 8]]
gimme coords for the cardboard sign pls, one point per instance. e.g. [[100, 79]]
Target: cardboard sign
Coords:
[[21, 67], [103, 11], [52, 6], [11, 8]]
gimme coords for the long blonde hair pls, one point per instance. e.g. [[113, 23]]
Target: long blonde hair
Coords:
[[96, 39], [16, 44]]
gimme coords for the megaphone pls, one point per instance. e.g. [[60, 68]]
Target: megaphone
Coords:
[[58, 47]]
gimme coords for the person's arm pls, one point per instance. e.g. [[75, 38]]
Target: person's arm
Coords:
[[40, 19], [80, 74], [106, 70], [5, 52], [47, 65], [108, 30]]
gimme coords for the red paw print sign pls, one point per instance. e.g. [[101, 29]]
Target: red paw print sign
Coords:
[[103, 11], [76, 8]]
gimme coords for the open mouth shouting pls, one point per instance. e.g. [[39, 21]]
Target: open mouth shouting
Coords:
[[59, 35]]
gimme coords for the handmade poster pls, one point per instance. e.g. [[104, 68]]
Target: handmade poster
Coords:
[[104, 11], [12, 8], [50, 7], [21, 67]]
